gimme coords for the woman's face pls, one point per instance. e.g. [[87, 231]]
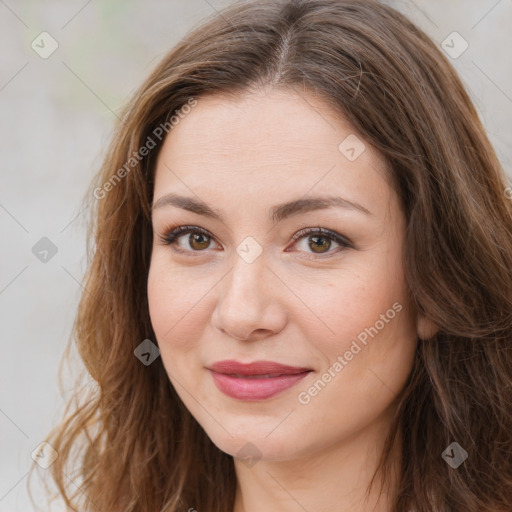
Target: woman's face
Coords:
[[245, 290]]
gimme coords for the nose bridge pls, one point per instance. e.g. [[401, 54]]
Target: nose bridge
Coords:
[[245, 282], [245, 302]]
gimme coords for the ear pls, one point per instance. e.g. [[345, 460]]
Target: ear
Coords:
[[425, 327]]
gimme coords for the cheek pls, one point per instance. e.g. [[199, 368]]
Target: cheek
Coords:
[[177, 303], [177, 313], [340, 305], [364, 316], [366, 362]]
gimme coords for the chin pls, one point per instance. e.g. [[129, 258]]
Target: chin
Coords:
[[251, 443]]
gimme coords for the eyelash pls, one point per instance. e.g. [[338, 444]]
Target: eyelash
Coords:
[[172, 233]]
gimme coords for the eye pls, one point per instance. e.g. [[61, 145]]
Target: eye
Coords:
[[318, 240], [198, 240]]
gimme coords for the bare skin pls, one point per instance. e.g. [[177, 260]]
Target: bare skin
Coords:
[[301, 303]]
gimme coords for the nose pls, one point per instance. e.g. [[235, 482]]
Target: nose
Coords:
[[248, 304]]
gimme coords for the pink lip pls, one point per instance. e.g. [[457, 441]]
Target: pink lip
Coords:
[[257, 388]]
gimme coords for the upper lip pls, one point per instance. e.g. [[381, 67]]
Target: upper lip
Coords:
[[255, 368]]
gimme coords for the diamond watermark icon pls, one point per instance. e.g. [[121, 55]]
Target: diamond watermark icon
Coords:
[[352, 147], [44, 45], [147, 352], [250, 454], [454, 455], [44, 250], [44, 455], [249, 249], [454, 45]]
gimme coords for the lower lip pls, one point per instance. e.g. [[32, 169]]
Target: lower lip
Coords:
[[255, 389]]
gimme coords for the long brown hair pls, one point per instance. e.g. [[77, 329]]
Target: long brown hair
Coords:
[[129, 438]]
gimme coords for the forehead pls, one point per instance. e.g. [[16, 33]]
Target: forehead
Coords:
[[269, 143]]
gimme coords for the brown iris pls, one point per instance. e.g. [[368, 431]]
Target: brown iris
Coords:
[[314, 245], [201, 240]]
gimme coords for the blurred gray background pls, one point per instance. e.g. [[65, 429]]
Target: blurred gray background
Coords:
[[57, 116]]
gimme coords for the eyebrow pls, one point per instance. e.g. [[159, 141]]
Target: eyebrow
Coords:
[[277, 213]]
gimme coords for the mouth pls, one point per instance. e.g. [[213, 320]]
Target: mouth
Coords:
[[255, 381]]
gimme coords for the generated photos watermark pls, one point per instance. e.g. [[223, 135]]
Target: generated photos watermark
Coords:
[[158, 133], [305, 397]]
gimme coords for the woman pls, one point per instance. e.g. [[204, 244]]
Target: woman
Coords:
[[300, 292]]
